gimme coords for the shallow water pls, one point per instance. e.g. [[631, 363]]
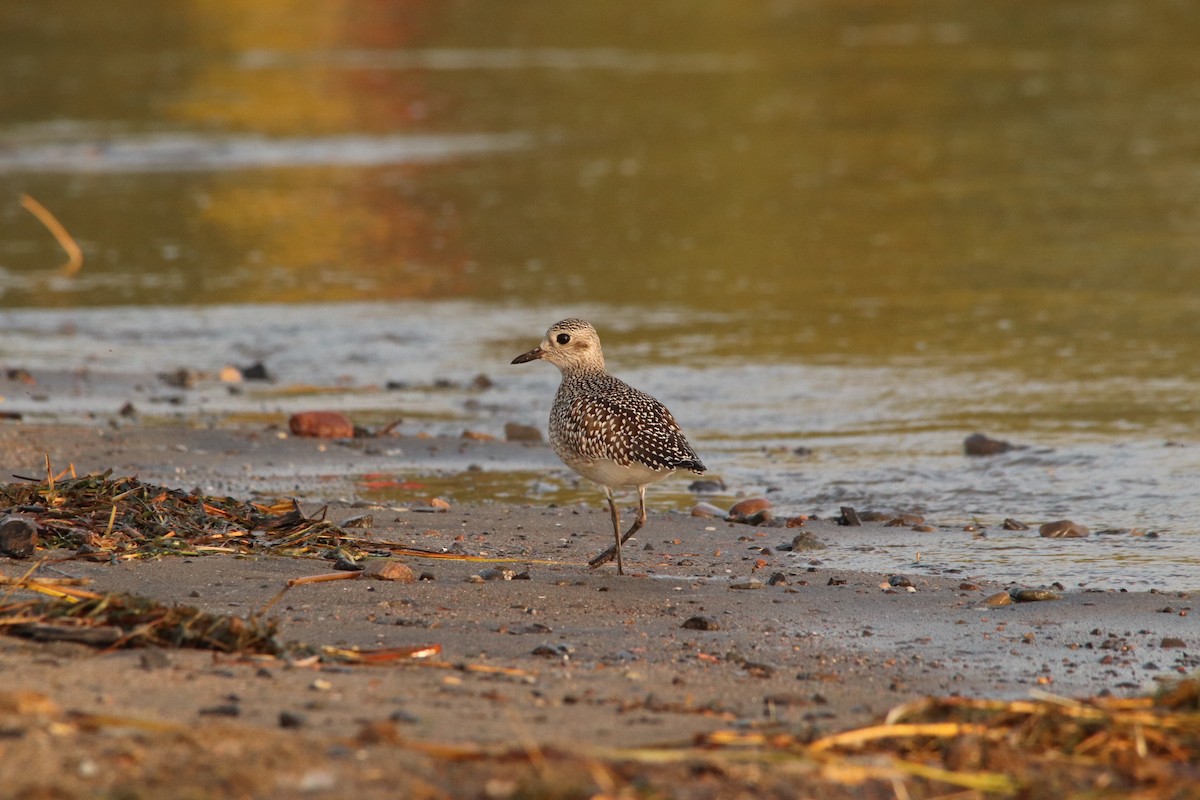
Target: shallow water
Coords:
[[863, 229]]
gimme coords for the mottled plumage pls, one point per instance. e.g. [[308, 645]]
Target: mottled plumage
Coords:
[[606, 430]]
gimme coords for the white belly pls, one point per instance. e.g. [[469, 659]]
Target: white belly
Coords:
[[609, 473]]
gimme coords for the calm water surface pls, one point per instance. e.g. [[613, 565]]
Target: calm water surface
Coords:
[[864, 229]]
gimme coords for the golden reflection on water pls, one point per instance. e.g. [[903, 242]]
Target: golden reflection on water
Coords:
[[1008, 187]]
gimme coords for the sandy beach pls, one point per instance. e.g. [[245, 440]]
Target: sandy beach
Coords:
[[719, 627]]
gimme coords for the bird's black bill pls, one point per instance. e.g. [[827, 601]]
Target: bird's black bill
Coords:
[[532, 355]]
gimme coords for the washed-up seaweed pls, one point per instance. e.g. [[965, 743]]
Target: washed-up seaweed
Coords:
[[125, 620], [1045, 746], [118, 620], [124, 518]]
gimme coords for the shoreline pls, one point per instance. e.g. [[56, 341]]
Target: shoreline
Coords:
[[564, 656]]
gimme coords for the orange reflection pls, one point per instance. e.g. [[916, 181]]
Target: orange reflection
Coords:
[[305, 232]]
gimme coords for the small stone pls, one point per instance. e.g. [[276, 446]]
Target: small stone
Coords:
[[751, 511], [1011, 524], [439, 504], [493, 574], [796, 521], [1172, 641], [516, 432], [1063, 529], [849, 518], [255, 372], [389, 569], [806, 541], [18, 537], [904, 520], [478, 436], [977, 444], [899, 581], [321, 425], [291, 720], [707, 511], [753, 583], [128, 410], [778, 579], [222, 710], [998, 599], [361, 521], [758, 670], [481, 383], [707, 486], [1033, 595], [924, 527], [701, 624], [559, 650], [230, 374]]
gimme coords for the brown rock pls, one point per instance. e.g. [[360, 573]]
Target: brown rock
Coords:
[[477, 436], [1011, 524], [18, 537], [701, 624], [850, 518], [516, 432], [977, 444], [1172, 641], [998, 599], [752, 511], [1063, 529], [321, 425], [389, 569]]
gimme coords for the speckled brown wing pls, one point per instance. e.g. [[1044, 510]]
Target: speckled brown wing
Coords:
[[630, 426]]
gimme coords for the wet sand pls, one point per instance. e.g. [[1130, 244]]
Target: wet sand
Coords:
[[561, 656]]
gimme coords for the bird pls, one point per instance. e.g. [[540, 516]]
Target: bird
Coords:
[[606, 430]]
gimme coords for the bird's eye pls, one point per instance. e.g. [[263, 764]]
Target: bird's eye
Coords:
[[563, 338]]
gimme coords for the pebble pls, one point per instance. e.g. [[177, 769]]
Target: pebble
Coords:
[[1172, 641], [291, 720], [493, 574], [18, 537], [778, 579], [389, 569], [701, 624], [1011, 524], [707, 486], [753, 583], [850, 518], [751, 511], [707, 510], [978, 444], [998, 599], [924, 527], [904, 520], [1063, 529], [900, 581], [477, 436], [806, 541], [560, 650], [361, 521], [255, 372], [516, 432], [1033, 595], [321, 425]]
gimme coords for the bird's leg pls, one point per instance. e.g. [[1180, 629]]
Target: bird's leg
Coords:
[[616, 518]]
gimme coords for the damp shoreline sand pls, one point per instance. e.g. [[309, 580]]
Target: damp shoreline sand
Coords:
[[565, 656]]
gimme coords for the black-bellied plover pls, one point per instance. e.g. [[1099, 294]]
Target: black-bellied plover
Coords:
[[606, 430]]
